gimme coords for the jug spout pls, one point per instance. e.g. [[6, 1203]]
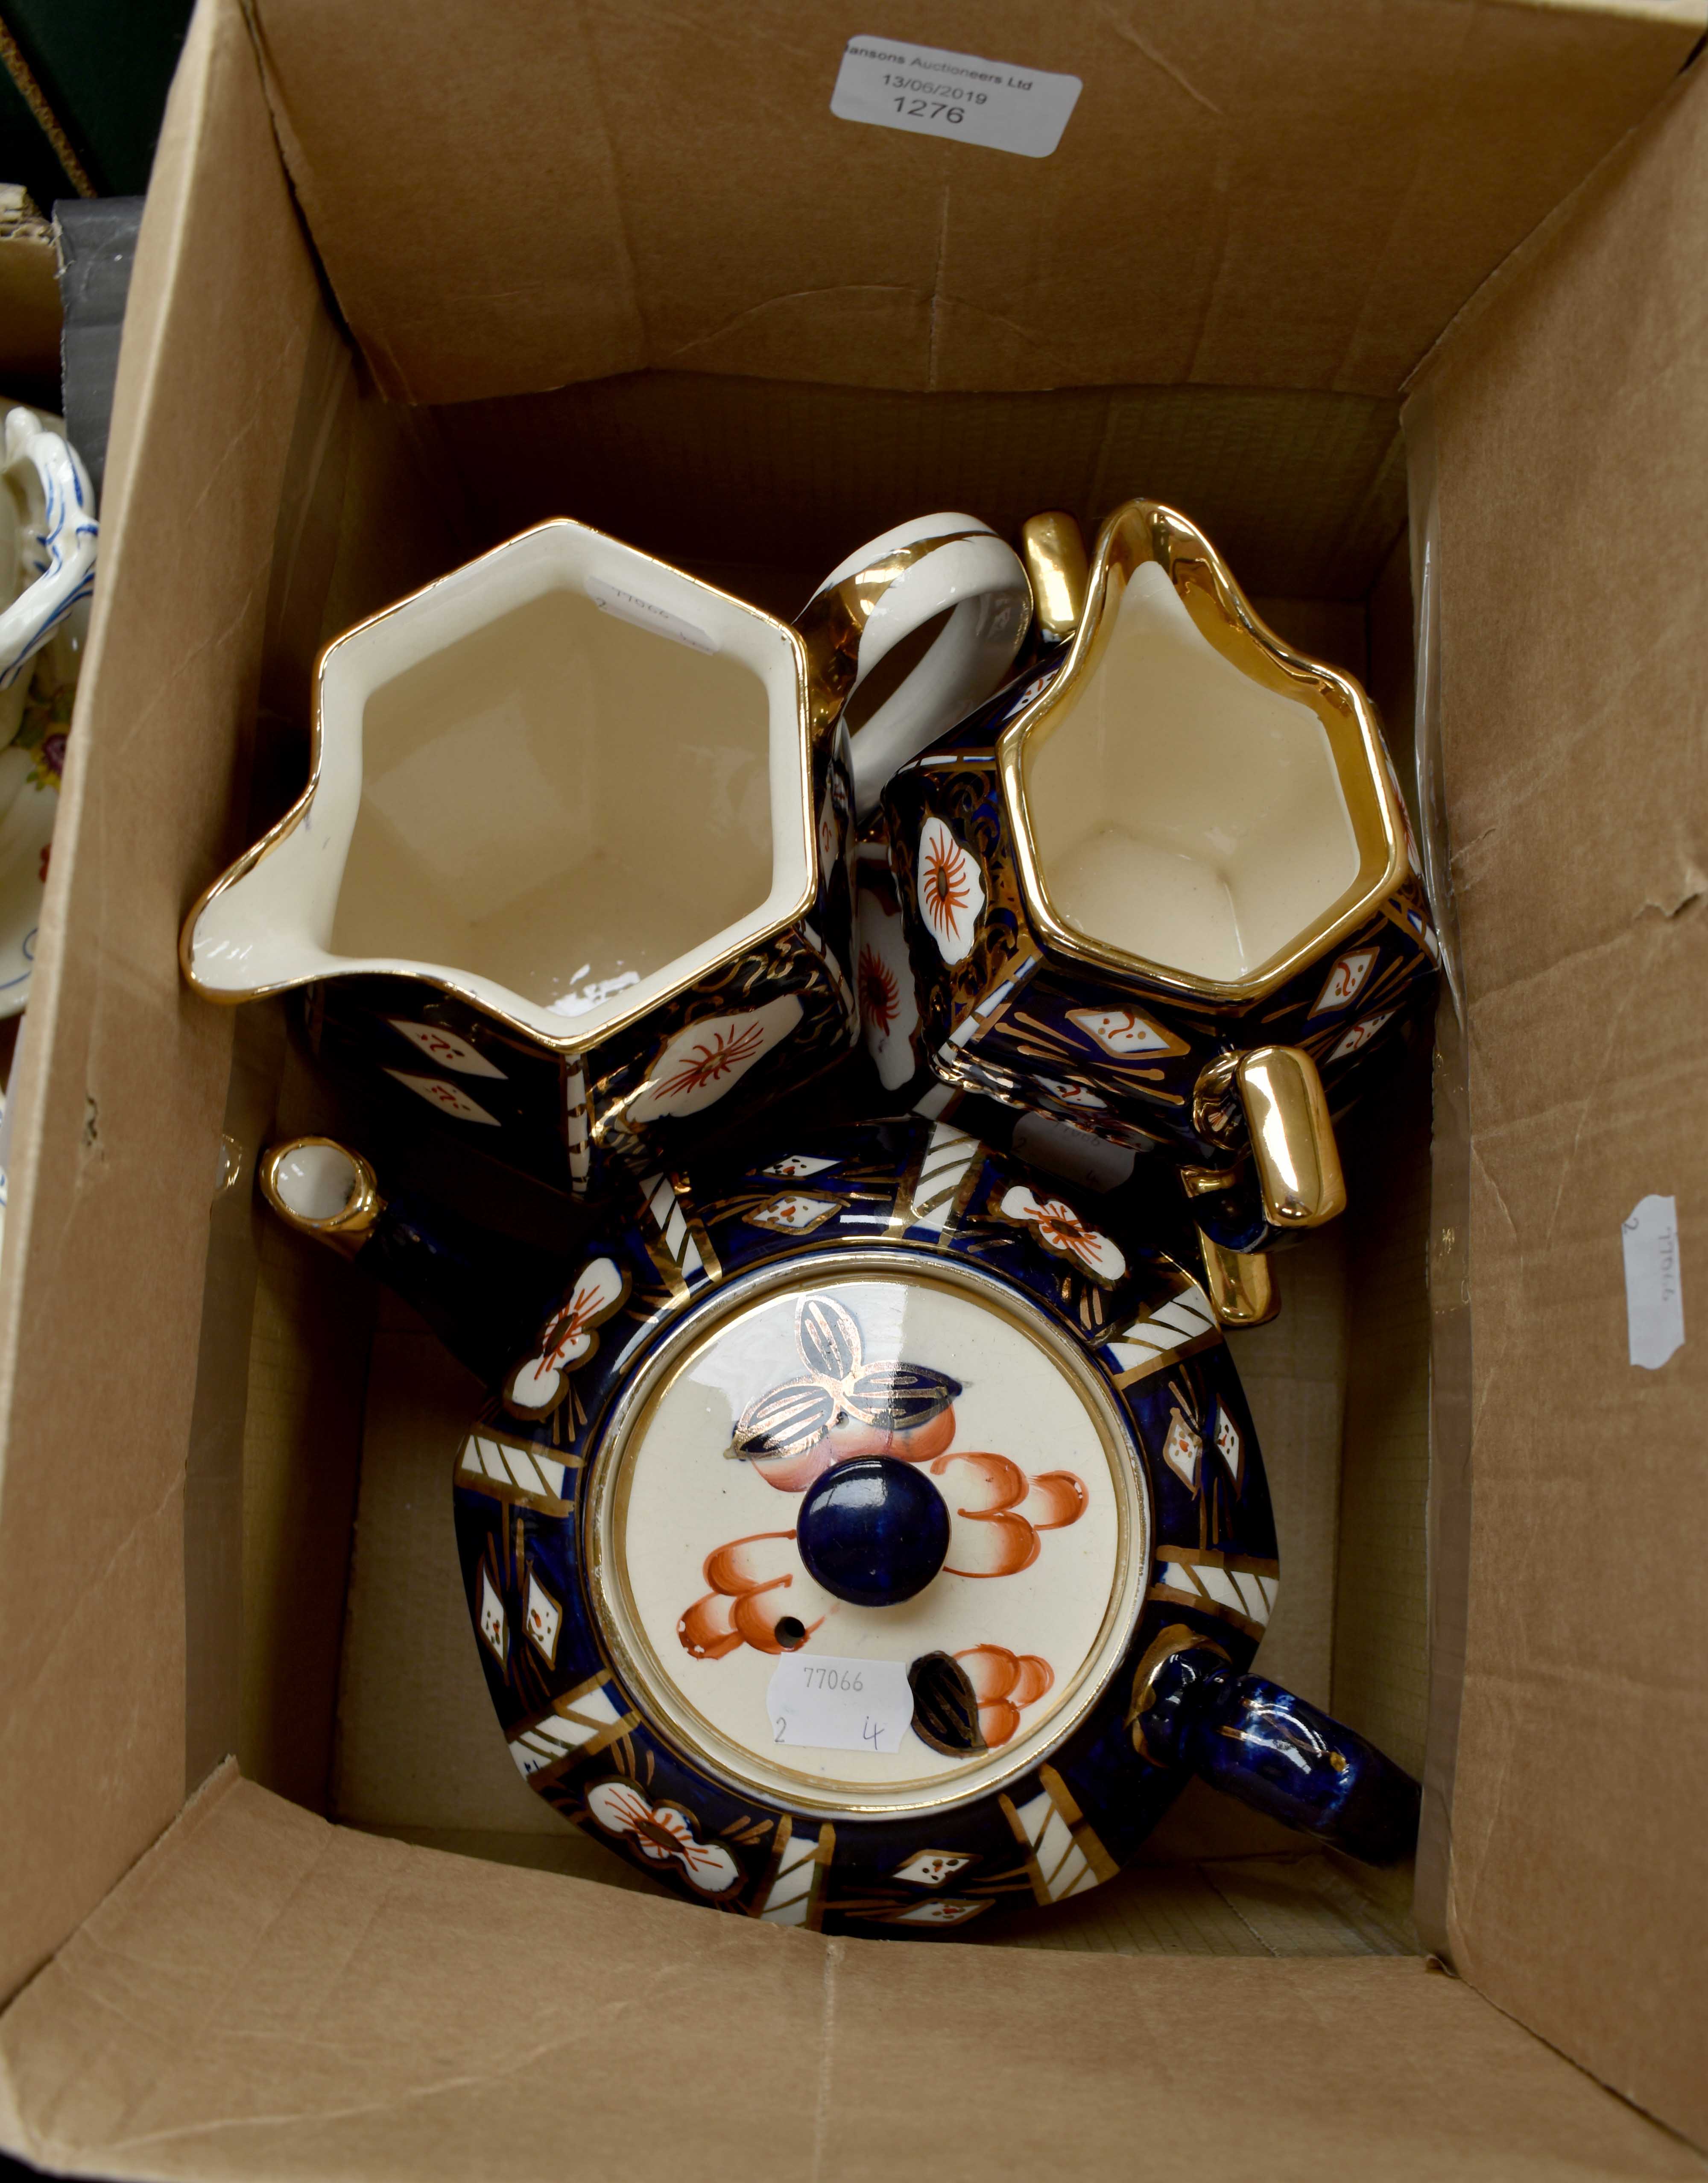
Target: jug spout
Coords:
[[481, 1293]]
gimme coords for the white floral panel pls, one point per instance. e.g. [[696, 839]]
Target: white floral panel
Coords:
[[950, 891], [705, 1059], [889, 1005]]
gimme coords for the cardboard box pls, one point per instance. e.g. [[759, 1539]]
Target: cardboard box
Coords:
[[695, 307]]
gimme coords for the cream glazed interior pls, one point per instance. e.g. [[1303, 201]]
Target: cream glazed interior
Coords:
[[1048, 1523], [560, 781], [1181, 811]]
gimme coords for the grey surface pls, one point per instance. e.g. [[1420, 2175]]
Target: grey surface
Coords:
[[97, 246]]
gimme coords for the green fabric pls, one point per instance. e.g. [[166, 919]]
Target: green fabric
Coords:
[[104, 67]]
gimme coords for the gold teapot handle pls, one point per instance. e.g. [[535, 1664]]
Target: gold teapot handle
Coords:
[[1293, 1145]]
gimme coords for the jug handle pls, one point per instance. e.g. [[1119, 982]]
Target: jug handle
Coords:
[[1053, 548], [878, 597], [59, 535], [1291, 1133], [1254, 1741], [483, 1294]]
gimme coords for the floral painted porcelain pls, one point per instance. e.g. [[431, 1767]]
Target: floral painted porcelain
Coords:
[[1162, 887], [861, 1538], [573, 861], [48, 572], [45, 590]]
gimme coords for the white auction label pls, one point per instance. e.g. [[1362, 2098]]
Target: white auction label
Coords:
[[1654, 1294], [629, 606], [826, 1704], [959, 96]]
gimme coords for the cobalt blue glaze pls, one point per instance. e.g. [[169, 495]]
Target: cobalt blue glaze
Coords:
[[1281, 1756], [872, 1530], [1073, 1801]]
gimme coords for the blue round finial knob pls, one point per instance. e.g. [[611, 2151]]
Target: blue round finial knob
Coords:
[[874, 1530]]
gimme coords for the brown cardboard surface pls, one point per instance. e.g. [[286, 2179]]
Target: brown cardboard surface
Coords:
[[1300, 201], [124, 1081], [30, 315], [1570, 416], [266, 1995], [1303, 490], [1380, 1611], [270, 1996]]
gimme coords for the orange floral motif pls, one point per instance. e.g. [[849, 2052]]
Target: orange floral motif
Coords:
[[997, 1512], [749, 1579], [943, 885], [880, 993], [1059, 1228], [703, 1059], [662, 1833], [536, 1387], [1003, 1682], [952, 893], [722, 1054]]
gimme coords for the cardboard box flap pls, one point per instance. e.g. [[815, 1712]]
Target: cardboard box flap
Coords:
[[268, 1995], [30, 318], [1304, 202], [1570, 418], [123, 1085]]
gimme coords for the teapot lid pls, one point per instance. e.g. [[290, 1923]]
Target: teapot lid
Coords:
[[800, 1508]]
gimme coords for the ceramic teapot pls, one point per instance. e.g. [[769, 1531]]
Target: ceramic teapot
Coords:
[[573, 860], [860, 1537], [1162, 887]]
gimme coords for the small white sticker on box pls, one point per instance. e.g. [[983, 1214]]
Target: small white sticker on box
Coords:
[[829, 1704], [1654, 1294], [961, 97]]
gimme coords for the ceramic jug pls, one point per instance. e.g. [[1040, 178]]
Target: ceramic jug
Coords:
[[572, 860], [860, 1536], [46, 551], [1162, 887]]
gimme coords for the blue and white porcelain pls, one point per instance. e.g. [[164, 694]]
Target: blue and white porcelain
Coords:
[[47, 555], [860, 1535], [573, 861], [46, 579]]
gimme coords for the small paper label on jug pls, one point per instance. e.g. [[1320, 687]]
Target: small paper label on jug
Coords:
[[820, 1704], [629, 606], [1653, 1295], [893, 84]]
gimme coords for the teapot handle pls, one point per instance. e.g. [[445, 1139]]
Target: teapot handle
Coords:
[[1273, 1751], [880, 595]]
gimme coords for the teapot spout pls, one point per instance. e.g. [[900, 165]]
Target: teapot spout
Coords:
[[482, 1293], [1281, 1756]]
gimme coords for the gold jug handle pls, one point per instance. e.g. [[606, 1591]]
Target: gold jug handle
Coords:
[[1292, 1136], [1054, 552], [1240, 1284]]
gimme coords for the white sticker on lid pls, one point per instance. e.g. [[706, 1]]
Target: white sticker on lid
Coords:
[[1653, 1295], [828, 1704], [894, 84], [629, 606]]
